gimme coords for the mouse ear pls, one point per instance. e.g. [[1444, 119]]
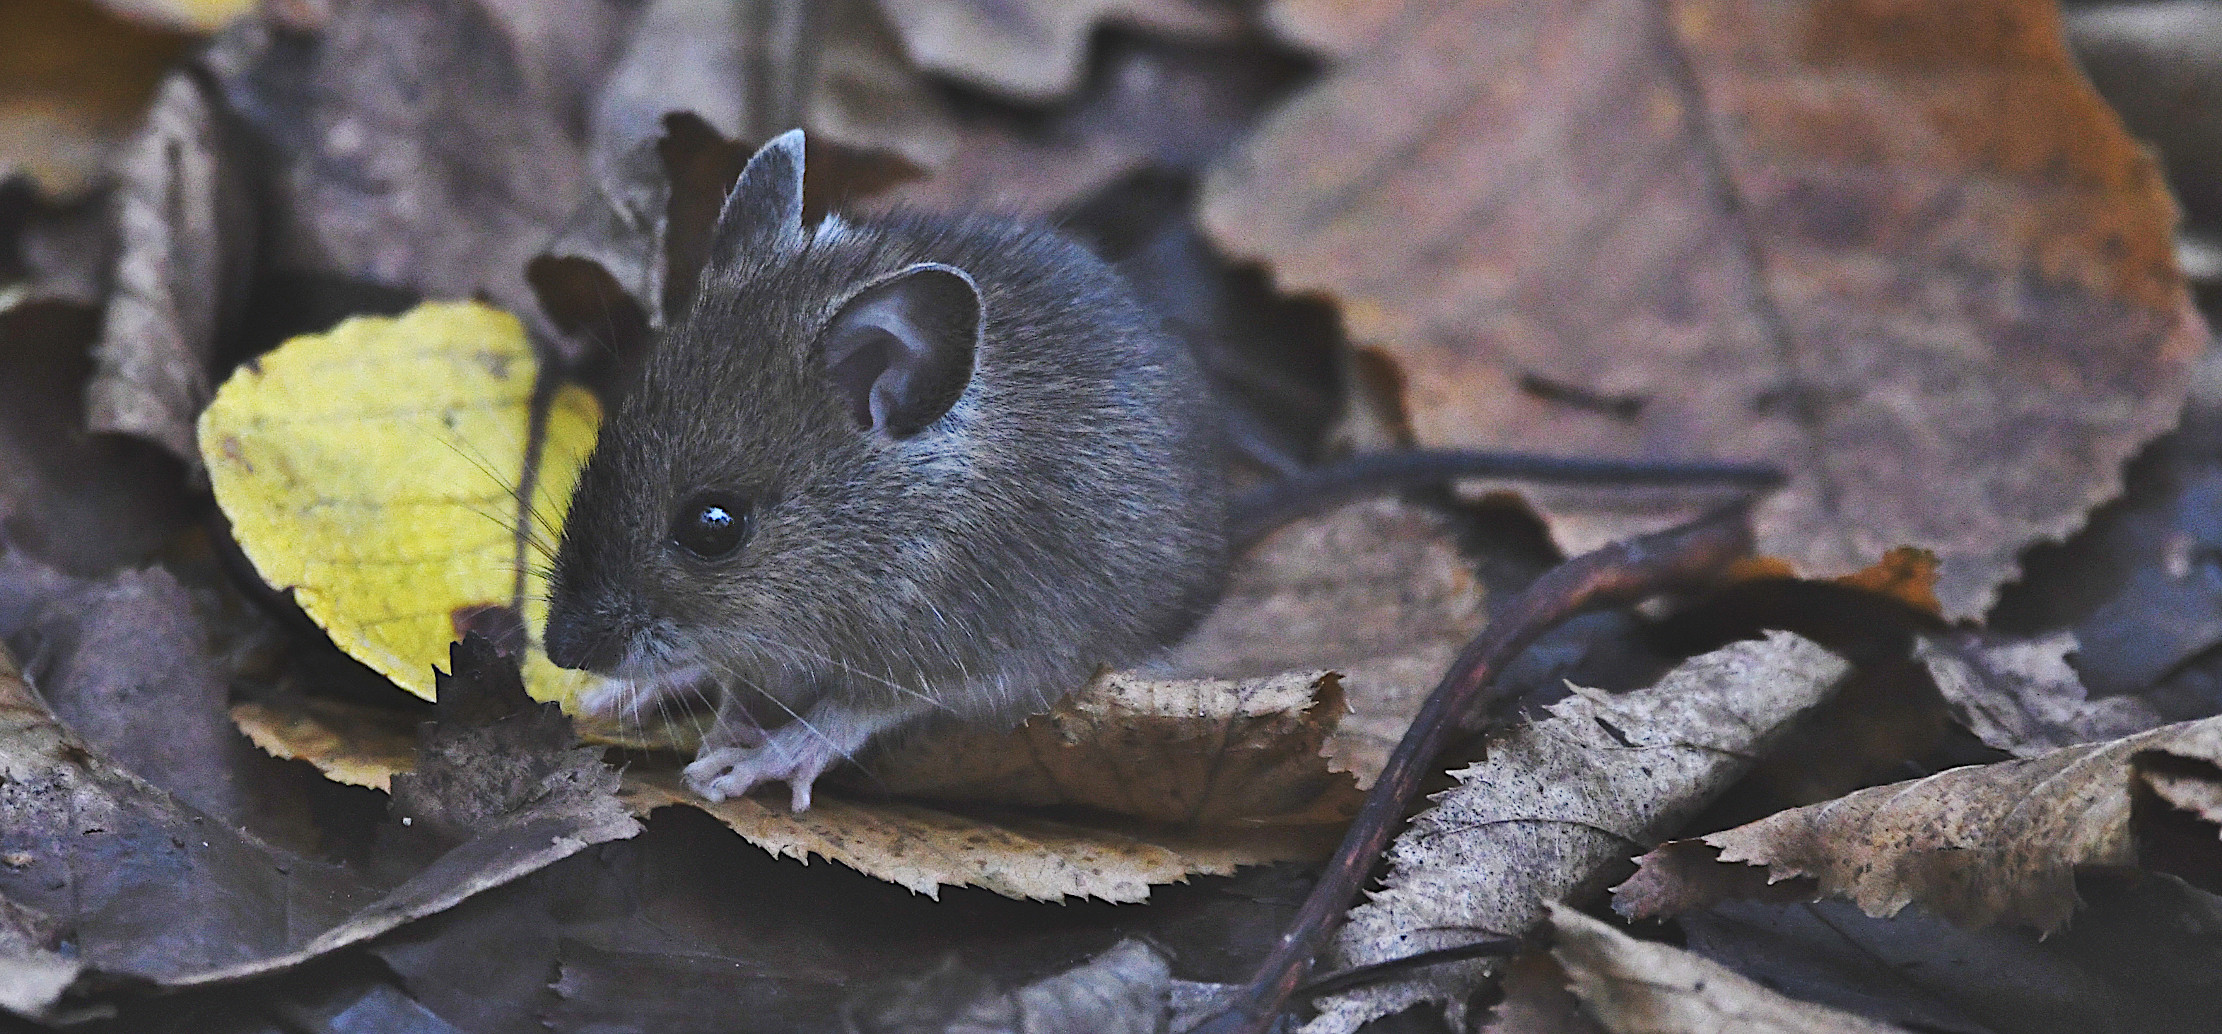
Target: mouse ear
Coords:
[[900, 351], [764, 211]]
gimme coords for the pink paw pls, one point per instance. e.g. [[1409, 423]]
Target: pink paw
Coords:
[[722, 772]]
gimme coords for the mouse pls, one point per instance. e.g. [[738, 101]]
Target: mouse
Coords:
[[904, 469], [886, 472]]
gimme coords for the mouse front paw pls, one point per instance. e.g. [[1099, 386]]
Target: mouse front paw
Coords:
[[722, 772]]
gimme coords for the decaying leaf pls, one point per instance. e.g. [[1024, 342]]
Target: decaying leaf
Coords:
[[1121, 991], [81, 502], [500, 786], [373, 471], [2022, 697], [1902, 249], [1191, 752], [83, 835], [1033, 50], [1640, 987], [184, 221], [1976, 845], [73, 81], [2145, 957], [1558, 805], [2141, 584], [1153, 106], [421, 146]]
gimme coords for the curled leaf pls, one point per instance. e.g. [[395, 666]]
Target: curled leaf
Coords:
[[1977, 845]]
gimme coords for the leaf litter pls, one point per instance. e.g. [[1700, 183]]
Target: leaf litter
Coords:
[[1669, 230]]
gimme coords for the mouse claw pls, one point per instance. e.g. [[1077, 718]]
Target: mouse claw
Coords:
[[798, 761]]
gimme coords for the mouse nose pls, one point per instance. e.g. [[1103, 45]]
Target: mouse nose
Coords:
[[574, 642]]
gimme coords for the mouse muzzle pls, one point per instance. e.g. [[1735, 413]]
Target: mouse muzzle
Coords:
[[576, 641]]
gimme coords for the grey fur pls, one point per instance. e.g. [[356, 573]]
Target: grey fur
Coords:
[[1066, 513]]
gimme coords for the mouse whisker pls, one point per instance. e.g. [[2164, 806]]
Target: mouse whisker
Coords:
[[890, 683]]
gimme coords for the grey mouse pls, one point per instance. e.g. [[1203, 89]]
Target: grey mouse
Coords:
[[886, 471]]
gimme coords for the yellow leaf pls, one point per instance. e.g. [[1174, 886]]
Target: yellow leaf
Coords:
[[371, 471]]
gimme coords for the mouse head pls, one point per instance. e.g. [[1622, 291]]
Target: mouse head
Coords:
[[756, 484]]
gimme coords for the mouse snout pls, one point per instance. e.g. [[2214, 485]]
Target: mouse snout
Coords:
[[573, 641]]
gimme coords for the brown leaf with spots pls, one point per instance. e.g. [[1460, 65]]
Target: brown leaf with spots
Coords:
[[1900, 248], [1977, 845], [1558, 806]]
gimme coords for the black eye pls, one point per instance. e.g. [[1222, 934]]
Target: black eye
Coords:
[[711, 526]]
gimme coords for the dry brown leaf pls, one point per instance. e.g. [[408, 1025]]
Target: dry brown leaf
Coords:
[[1121, 991], [349, 743], [2021, 696], [1034, 50], [1976, 845], [1191, 752], [1558, 803], [1640, 987], [1901, 249], [1376, 592], [1152, 106], [183, 220], [924, 848]]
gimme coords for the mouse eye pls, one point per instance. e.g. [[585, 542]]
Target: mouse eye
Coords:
[[711, 526]]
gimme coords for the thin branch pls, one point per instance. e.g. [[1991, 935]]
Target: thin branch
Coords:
[[1694, 554]]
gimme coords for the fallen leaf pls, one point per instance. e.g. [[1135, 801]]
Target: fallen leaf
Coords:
[[417, 145], [83, 837], [2139, 584], [924, 848], [1903, 250], [2021, 696], [73, 81], [1153, 105], [1641, 987], [359, 746], [1121, 991], [1558, 805], [2142, 958], [185, 221], [106, 654], [1034, 50], [372, 471], [82, 502], [500, 787], [1537, 1000], [832, 68], [1190, 752], [1977, 845]]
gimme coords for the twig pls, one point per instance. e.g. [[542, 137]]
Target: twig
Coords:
[[1374, 973], [1692, 554]]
